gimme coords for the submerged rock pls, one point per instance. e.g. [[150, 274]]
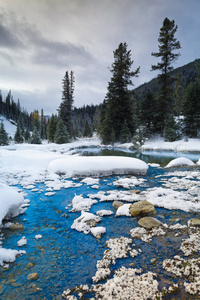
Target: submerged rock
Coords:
[[142, 207], [32, 276], [149, 222], [194, 222], [17, 226], [116, 204]]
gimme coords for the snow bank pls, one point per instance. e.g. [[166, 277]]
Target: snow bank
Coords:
[[181, 161], [97, 166], [8, 255], [10, 202], [159, 144]]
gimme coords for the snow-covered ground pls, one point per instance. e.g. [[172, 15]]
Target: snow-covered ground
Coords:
[[184, 145]]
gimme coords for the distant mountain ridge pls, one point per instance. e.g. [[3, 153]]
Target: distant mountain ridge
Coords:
[[188, 71]]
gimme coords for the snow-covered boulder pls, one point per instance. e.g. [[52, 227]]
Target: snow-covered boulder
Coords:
[[97, 166], [181, 161]]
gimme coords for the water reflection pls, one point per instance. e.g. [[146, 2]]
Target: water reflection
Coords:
[[159, 157]]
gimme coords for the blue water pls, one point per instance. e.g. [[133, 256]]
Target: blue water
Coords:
[[65, 258]]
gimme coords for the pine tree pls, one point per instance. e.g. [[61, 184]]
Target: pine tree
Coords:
[[191, 109], [167, 45], [87, 132], [36, 135], [125, 134], [147, 112], [35, 138], [179, 92], [18, 134], [27, 135], [171, 132], [61, 135], [3, 135], [117, 104], [51, 128], [65, 108]]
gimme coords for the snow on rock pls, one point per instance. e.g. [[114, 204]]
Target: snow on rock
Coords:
[[90, 181], [98, 231], [128, 183], [79, 203], [104, 212], [38, 236], [8, 255], [22, 242], [124, 210], [85, 222], [10, 202], [97, 166], [127, 285], [170, 199], [181, 161]]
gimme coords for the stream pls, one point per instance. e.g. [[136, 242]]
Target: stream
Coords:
[[64, 257]]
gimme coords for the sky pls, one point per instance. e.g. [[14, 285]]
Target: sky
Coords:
[[42, 39]]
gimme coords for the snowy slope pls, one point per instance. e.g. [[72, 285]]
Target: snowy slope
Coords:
[[9, 127]]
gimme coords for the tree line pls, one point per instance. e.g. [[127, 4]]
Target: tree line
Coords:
[[173, 110]]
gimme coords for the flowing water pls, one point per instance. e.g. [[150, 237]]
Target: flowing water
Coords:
[[65, 258]]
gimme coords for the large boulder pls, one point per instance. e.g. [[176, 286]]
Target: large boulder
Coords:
[[142, 207], [149, 222]]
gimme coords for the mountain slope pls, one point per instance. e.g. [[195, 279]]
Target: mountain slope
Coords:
[[188, 71]]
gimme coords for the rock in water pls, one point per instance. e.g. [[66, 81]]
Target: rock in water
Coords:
[[32, 276], [149, 222], [116, 204], [16, 226], [142, 207]]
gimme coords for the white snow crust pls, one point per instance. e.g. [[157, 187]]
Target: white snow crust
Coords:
[[181, 161], [97, 166]]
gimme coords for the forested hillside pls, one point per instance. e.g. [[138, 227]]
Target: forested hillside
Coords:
[[189, 73]]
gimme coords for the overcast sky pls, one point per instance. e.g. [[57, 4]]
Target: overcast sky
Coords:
[[41, 39]]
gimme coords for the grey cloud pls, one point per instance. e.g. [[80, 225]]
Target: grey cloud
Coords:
[[59, 54], [7, 38], [31, 44]]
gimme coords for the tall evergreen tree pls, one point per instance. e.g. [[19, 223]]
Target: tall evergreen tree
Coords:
[[117, 104], [65, 109], [3, 135], [167, 45]]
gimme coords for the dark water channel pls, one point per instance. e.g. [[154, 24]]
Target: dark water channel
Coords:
[[65, 258]]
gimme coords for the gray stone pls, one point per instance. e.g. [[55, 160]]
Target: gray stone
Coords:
[[141, 208], [116, 204], [149, 222]]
